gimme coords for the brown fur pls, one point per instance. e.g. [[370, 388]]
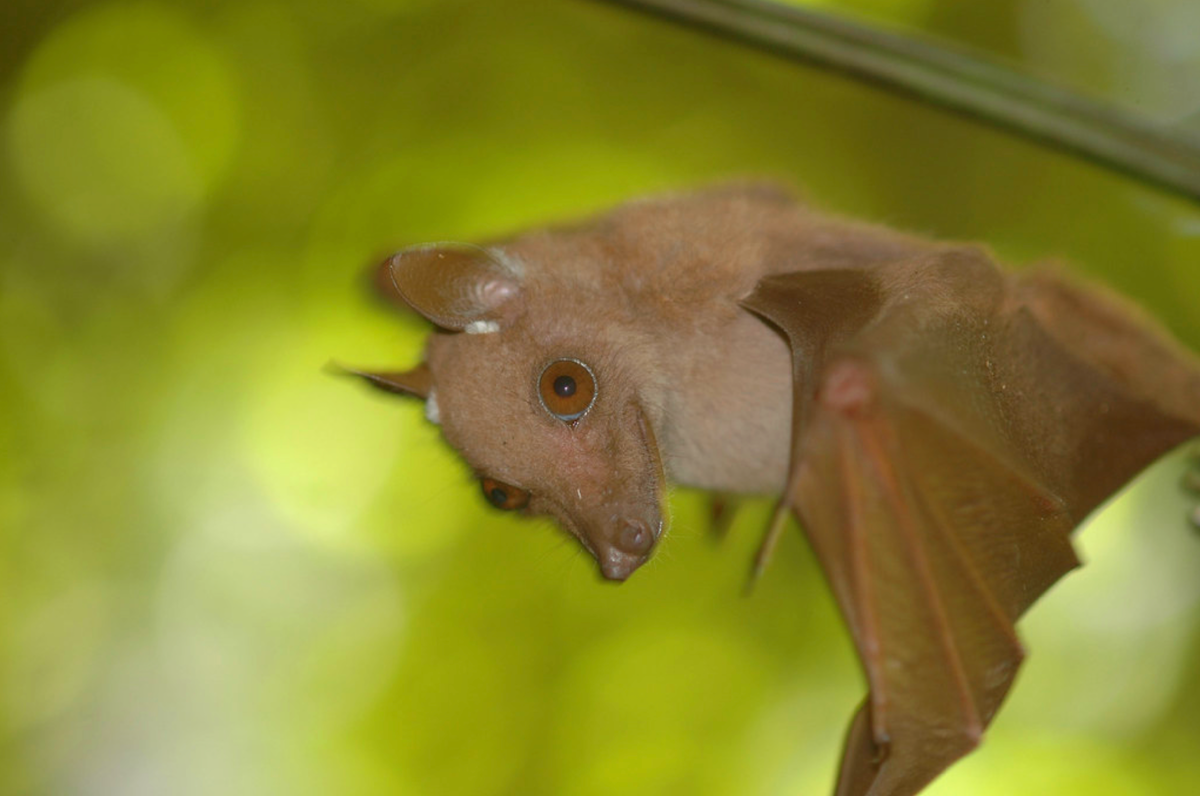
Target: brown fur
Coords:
[[648, 297], [939, 426]]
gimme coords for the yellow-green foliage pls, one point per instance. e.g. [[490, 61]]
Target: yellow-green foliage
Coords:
[[223, 571]]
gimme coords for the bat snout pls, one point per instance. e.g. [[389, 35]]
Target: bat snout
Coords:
[[622, 530], [626, 547]]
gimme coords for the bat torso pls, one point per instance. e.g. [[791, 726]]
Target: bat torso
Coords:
[[671, 275], [1062, 355]]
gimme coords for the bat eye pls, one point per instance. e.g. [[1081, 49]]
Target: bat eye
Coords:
[[504, 496], [567, 389]]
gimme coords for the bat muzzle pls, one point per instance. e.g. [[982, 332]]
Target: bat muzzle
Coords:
[[623, 532], [631, 545]]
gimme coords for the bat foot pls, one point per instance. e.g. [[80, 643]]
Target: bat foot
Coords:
[[722, 510]]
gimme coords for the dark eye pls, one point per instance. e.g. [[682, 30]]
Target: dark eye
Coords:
[[503, 496], [567, 389]]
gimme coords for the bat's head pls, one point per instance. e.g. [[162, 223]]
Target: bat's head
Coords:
[[551, 405]]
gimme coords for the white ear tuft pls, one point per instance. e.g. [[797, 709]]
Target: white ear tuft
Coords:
[[481, 327], [431, 408]]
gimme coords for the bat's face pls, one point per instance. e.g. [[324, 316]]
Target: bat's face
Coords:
[[543, 404], [552, 428]]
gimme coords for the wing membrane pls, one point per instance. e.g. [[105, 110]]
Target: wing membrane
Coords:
[[944, 450]]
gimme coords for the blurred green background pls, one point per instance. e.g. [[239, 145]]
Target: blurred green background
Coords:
[[223, 571]]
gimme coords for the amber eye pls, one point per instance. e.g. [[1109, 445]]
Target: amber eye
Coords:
[[503, 496], [567, 389]]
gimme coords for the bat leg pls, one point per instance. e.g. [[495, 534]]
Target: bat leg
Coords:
[[762, 559], [875, 766], [722, 510]]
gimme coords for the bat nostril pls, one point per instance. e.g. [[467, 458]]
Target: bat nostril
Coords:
[[624, 546], [634, 537]]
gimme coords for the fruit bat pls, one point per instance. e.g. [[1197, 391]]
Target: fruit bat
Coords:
[[937, 425]]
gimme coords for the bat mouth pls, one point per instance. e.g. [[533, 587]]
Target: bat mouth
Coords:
[[622, 547]]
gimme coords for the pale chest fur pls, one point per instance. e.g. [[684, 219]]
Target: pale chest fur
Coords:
[[727, 419]]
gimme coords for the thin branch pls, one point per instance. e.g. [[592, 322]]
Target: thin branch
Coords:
[[955, 80]]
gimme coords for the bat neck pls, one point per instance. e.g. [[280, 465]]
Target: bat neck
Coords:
[[727, 419]]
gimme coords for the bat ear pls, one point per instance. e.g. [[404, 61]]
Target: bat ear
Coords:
[[457, 286], [417, 382]]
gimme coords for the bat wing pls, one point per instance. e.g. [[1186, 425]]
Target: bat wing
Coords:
[[920, 485]]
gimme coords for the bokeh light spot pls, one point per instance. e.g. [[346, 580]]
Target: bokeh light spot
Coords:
[[101, 161], [319, 459], [322, 447], [56, 651], [125, 118], [158, 52], [250, 615]]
